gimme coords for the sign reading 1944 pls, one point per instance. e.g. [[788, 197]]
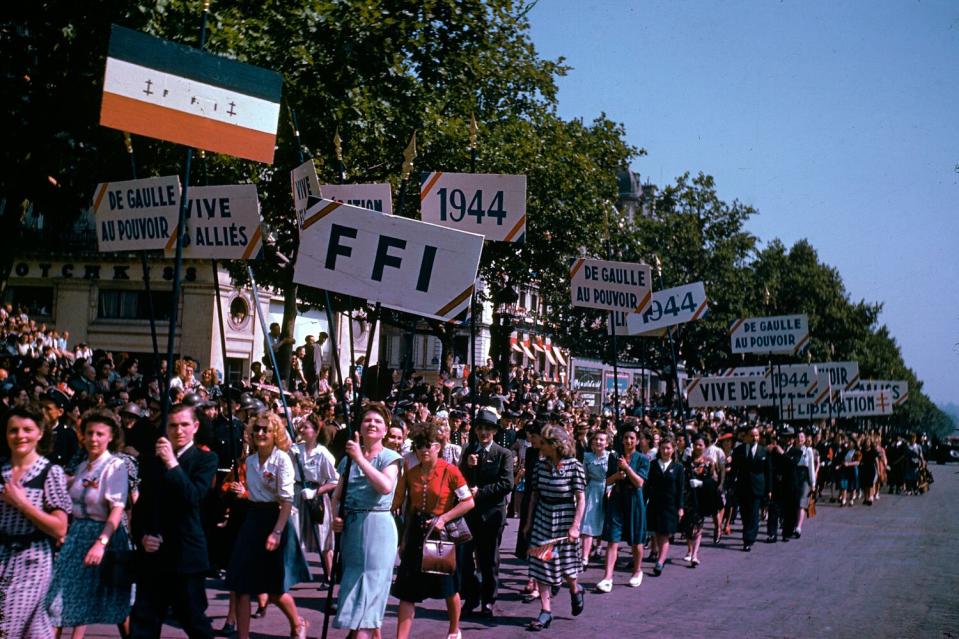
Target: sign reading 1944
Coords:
[[490, 204]]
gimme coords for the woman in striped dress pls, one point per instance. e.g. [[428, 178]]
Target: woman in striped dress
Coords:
[[556, 509]]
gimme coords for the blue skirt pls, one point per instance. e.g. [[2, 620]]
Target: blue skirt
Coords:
[[77, 596]]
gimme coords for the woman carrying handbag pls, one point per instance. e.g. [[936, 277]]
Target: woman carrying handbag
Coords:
[[436, 495]]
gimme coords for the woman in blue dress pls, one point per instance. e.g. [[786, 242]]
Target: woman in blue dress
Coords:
[[369, 534], [625, 509], [595, 463]]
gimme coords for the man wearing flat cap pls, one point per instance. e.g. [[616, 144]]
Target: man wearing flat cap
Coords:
[[488, 469]]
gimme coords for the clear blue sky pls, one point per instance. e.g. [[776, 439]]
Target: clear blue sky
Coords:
[[837, 120]]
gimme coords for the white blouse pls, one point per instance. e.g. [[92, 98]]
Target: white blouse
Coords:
[[99, 487], [318, 466], [273, 481]]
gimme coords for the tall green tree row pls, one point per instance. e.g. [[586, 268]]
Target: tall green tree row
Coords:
[[697, 236]]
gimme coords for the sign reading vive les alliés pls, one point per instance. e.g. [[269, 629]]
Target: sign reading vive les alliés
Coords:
[[611, 286], [404, 264], [222, 222]]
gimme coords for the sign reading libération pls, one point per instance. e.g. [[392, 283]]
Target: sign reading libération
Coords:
[[611, 286], [222, 222], [136, 215], [404, 264], [780, 334], [376, 197]]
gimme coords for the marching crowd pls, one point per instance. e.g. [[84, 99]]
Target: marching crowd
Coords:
[[109, 516]]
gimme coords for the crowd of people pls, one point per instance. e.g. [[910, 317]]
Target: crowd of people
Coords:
[[109, 516]]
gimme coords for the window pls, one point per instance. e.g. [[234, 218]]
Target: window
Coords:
[[35, 300], [235, 368], [239, 313], [133, 305]]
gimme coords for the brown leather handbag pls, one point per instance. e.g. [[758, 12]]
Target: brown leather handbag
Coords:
[[439, 554]]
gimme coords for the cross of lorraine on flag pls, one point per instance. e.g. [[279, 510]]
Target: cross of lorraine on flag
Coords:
[[172, 92]]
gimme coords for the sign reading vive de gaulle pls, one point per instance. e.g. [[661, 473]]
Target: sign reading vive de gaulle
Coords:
[[305, 184], [222, 222], [611, 286], [136, 215], [487, 203], [780, 334], [404, 264]]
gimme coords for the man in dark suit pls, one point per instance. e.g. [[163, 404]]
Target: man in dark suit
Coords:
[[172, 557], [752, 483], [488, 468]]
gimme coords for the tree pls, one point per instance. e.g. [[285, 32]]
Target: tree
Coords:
[[375, 71]]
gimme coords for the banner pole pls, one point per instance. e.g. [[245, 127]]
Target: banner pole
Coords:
[[128, 141], [672, 349], [472, 313], [178, 259]]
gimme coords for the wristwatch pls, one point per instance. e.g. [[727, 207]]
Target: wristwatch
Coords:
[[104, 540]]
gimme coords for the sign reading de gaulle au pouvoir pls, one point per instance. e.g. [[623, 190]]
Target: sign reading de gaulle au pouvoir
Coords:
[[780, 334], [611, 286]]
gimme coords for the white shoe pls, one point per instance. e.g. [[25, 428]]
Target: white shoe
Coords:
[[606, 585], [688, 558], [636, 580]]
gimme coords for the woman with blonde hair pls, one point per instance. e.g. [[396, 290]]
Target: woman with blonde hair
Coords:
[[556, 507], [257, 564]]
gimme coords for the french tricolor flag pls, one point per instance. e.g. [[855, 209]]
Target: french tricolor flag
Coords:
[[164, 90]]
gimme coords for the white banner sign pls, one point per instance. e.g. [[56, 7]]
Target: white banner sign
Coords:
[[492, 205], [781, 334], [842, 375], [305, 185], [408, 265], [611, 286], [795, 380], [849, 404], [733, 392], [667, 308], [899, 389], [222, 222], [376, 197], [136, 215]]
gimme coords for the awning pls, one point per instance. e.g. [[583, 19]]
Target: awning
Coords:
[[516, 348], [559, 357], [528, 352], [550, 358], [537, 347]]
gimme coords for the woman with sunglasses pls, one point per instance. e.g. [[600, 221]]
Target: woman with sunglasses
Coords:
[[435, 492], [257, 564], [369, 534]]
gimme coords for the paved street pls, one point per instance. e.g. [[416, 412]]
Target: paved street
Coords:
[[890, 570]]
